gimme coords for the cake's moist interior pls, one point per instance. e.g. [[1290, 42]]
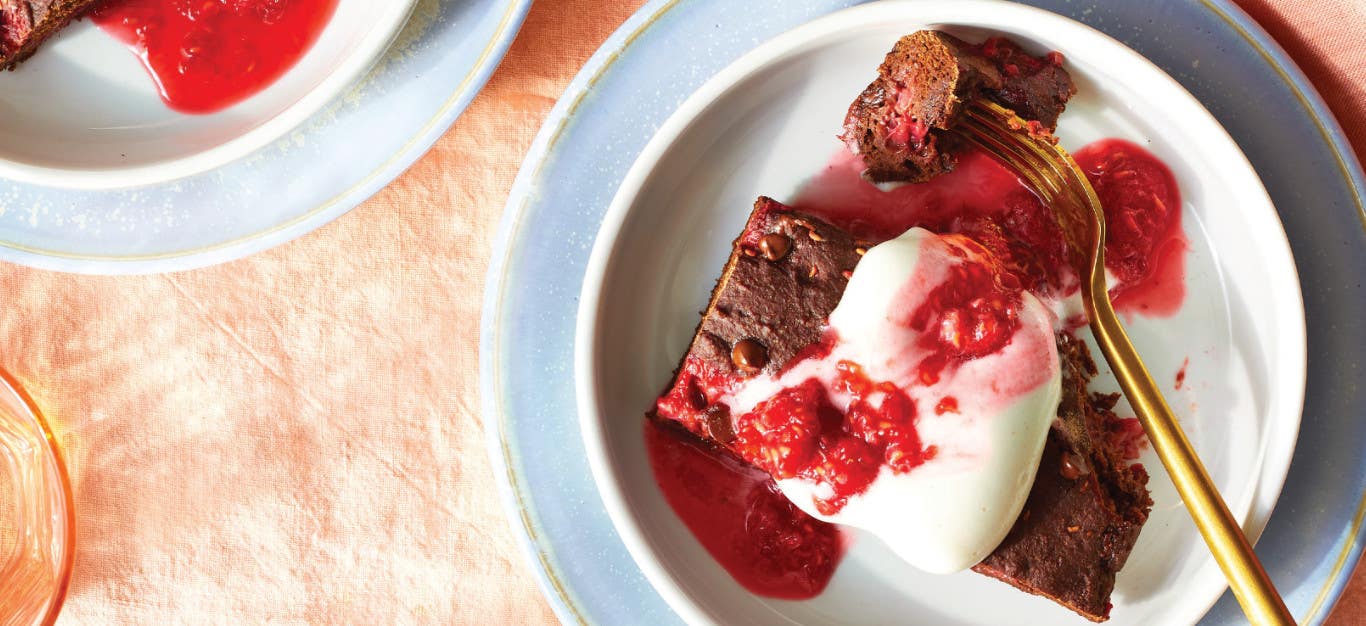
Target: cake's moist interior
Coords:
[[900, 124], [15, 26]]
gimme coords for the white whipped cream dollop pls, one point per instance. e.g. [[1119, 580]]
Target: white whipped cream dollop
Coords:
[[949, 513]]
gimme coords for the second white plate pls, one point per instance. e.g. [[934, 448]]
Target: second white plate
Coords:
[[335, 159], [83, 113]]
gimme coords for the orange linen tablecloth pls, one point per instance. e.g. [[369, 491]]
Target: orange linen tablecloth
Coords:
[[296, 437]]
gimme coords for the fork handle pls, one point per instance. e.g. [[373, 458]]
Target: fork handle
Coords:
[[1246, 576]]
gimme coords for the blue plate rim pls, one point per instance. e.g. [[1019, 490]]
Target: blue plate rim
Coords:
[[1350, 168], [550, 579]]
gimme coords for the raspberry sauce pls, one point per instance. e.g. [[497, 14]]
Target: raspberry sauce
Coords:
[[1145, 245], [766, 543], [207, 55], [979, 198], [690, 401], [799, 432], [974, 312]]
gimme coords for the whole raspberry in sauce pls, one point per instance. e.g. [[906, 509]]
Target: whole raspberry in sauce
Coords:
[[888, 426], [847, 465], [973, 313], [780, 436], [799, 433]]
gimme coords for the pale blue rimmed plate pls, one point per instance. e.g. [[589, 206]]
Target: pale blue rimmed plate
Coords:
[[663, 53], [333, 161]]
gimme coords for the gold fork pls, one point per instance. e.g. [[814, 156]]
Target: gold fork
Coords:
[[1062, 186]]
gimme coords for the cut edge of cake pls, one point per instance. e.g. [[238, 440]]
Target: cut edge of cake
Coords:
[[25, 25], [898, 125]]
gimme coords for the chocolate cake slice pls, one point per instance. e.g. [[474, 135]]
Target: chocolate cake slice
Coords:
[[1087, 505], [786, 274], [26, 24], [897, 124]]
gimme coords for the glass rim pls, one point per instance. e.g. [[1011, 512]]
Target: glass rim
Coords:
[[8, 384]]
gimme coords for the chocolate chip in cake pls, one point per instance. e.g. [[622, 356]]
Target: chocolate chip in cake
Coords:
[[749, 355], [775, 246], [1073, 466], [719, 425], [696, 397]]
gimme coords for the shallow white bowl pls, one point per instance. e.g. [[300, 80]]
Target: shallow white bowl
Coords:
[[83, 113], [768, 122]]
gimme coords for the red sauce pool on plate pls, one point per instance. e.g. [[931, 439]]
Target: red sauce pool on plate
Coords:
[[979, 198], [765, 542], [1145, 247], [207, 55]]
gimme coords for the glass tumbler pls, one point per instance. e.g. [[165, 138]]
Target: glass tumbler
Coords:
[[37, 527]]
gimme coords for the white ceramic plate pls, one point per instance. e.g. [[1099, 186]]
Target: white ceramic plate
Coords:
[[82, 113], [768, 122]]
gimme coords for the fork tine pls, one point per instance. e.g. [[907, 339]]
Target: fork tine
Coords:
[[1044, 155], [1004, 148], [1010, 160], [1039, 173], [1027, 163], [1004, 124], [1056, 160], [1048, 170]]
